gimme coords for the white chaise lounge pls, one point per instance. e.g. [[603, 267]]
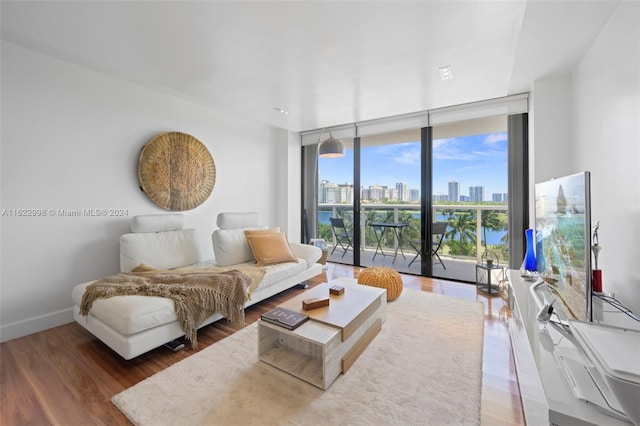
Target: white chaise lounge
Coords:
[[133, 325]]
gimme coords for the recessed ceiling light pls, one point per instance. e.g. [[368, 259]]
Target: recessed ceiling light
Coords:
[[280, 110], [446, 73]]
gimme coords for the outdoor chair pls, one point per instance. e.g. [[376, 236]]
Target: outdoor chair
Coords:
[[438, 230], [344, 238]]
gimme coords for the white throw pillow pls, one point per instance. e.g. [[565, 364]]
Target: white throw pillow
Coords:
[[159, 250], [230, 246], [238, 220], [157, 222]]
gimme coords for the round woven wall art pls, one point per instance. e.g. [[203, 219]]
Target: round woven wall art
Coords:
[[176, 171]]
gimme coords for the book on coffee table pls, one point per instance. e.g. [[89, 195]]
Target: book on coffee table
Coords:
[[285, 318]]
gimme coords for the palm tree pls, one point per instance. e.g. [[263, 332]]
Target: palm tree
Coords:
[[462, 225], [448, 213], [490, 219], [411, 232], [376, 216]]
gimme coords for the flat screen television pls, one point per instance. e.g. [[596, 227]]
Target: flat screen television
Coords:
[[563, 246]]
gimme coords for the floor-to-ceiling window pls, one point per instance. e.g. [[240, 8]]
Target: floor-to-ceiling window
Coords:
[[328, 189], [390, 220], [402, 179], [336, 197], [470, 194]]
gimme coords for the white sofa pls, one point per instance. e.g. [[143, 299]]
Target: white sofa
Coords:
[[133, 325]]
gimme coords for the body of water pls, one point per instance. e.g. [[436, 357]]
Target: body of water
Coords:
[[493, 237]]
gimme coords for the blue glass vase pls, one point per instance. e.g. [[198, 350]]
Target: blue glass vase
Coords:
[[529, 267]]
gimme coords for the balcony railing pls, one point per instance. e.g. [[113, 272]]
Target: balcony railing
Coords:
[[410, 213]]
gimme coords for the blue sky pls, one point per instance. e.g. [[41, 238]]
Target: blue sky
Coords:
[[478, 160]]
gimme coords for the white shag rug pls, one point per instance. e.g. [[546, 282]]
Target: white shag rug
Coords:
[[424, 367]]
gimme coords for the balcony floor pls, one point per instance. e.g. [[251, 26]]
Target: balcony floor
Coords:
[[456, 269]]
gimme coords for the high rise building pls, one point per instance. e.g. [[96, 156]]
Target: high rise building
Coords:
[[364, 194], [380, 193], [326, 192], [376, 192], [476, 194], [500, 197], [344, 194], [403, 191], [330, 193], [454, 190]]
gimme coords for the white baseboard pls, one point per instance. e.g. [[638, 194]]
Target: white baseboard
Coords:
[[35, 324]]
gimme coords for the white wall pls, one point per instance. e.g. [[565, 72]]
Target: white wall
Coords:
[[606, 128], [552, 128], [70, 140], [289, 170], [590, 120]]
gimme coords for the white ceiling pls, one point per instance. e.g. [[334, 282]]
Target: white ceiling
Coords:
[[325, 62]]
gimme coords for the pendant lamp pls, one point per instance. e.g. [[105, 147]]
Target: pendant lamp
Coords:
[[331, 148]]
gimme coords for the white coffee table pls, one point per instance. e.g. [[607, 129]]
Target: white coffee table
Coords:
[[334, 337]]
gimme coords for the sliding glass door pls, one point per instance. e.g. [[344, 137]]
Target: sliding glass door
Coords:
[[390, 220], [368, 201], [470, 194], [335, 207], [433, 200]]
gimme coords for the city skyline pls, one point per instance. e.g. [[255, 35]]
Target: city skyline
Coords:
[[477, 160], [331, 192]]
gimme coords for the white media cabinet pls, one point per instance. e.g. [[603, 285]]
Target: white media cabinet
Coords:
[[557, 375]]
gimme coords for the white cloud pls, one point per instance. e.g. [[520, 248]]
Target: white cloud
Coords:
[[492, 138], [403, 153], [451, 149], [437, 143], [408, 156]]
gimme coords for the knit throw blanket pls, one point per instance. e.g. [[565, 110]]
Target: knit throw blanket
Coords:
[[197, 294]]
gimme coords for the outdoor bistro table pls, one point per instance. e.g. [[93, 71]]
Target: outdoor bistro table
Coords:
[[379, 229]]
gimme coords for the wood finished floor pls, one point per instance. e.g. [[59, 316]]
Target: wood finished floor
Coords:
[[65, 376]]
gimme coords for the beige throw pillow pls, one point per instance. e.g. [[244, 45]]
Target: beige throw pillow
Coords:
[[270, 248]]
